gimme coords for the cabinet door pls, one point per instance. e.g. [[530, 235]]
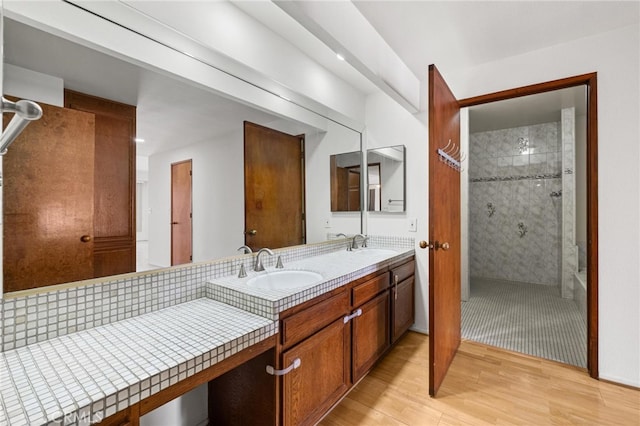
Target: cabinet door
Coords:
[[370, 335], [322, 378], [403, 307]]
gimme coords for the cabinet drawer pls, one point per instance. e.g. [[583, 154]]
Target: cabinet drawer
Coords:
[[368, 289], [404, 271], [305, 323]]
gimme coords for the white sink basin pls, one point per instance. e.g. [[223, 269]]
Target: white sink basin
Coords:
[[374, 252], [282, 280]]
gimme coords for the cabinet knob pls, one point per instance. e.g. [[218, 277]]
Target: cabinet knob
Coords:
[[85, 238], [251, 232]]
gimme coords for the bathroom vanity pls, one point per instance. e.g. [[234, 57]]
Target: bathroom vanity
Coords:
[[290, 354]]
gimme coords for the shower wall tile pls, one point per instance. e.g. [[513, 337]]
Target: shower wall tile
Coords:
[[516, 196], [569, 248]]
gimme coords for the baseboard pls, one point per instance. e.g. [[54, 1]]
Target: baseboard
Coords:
[[419, 330]]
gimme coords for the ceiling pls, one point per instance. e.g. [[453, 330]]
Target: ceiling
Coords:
[[468, 33], [449, 33]]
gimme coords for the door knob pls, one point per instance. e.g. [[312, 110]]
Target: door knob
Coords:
[[85, 238], [424, 244], [442, 246], [251, 232]]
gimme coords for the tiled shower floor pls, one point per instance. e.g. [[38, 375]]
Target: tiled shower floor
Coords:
[[527, 318]]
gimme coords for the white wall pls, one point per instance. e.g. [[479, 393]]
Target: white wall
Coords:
[[387, 124], [189, 410], [615, 56], [218, 199]]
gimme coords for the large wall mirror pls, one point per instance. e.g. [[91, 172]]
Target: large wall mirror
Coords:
[[180, 121], [386, 174]]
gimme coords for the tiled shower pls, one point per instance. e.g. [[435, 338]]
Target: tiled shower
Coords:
[[522, 241], [515, 204]]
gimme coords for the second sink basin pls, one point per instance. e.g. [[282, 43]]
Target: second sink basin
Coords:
[[282, 280], [374, 252]]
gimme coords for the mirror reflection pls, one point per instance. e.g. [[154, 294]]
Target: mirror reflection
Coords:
[[346, 171], [144, 153], [386, 179]]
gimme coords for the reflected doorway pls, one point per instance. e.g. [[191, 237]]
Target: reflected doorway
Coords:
[[181, 213]]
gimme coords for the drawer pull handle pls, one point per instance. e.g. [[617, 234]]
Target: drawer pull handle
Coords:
[[352, 316], [395, 285], [274, 372]]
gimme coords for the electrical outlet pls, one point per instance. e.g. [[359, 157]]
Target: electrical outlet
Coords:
[[413, 225], [327, 223]]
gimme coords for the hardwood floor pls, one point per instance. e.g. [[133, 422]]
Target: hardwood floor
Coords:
[[485, 385]]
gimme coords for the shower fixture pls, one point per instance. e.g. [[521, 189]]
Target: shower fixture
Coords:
[[25, 111], [523, 145]]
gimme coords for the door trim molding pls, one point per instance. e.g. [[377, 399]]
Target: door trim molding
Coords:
[[590, 81]]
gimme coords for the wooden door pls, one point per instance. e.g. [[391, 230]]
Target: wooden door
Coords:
[[403, 308], [370, 334], [354, 190], [273, 188], [48, 201], [114, 247], [322, 378], [181, 215], [444, 232]]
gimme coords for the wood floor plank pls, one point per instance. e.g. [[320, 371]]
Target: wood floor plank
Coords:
[[485, 386]]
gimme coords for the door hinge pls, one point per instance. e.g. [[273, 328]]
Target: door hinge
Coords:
[[190, 173], [190, 215], [191, 257]]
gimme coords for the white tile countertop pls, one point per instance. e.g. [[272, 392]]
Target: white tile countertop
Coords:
[[336, 268], [84, 377]]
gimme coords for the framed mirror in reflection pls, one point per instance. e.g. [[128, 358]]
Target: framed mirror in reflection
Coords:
[[386, 175], [128, 186]]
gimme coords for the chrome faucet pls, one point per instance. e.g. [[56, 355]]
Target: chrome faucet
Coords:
[[355, 241], [259, 266], [245, 249]]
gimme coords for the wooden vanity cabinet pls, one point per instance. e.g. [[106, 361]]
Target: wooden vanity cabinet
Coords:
[[316, 335], [402, 298], [370, 329]]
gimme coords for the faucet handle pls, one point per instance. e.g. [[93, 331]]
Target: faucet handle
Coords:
[[243, 272], [279, 264]]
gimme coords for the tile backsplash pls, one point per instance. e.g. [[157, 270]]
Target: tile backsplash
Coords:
[[57, 312]]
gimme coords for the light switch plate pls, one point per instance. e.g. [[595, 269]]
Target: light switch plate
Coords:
[[413, 225]]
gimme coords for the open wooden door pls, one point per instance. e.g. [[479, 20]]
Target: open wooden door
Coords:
[[273, 188], [444, 230], [181, 216], [48, 201]]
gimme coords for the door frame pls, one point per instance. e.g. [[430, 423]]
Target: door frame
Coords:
[[590, 81]]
